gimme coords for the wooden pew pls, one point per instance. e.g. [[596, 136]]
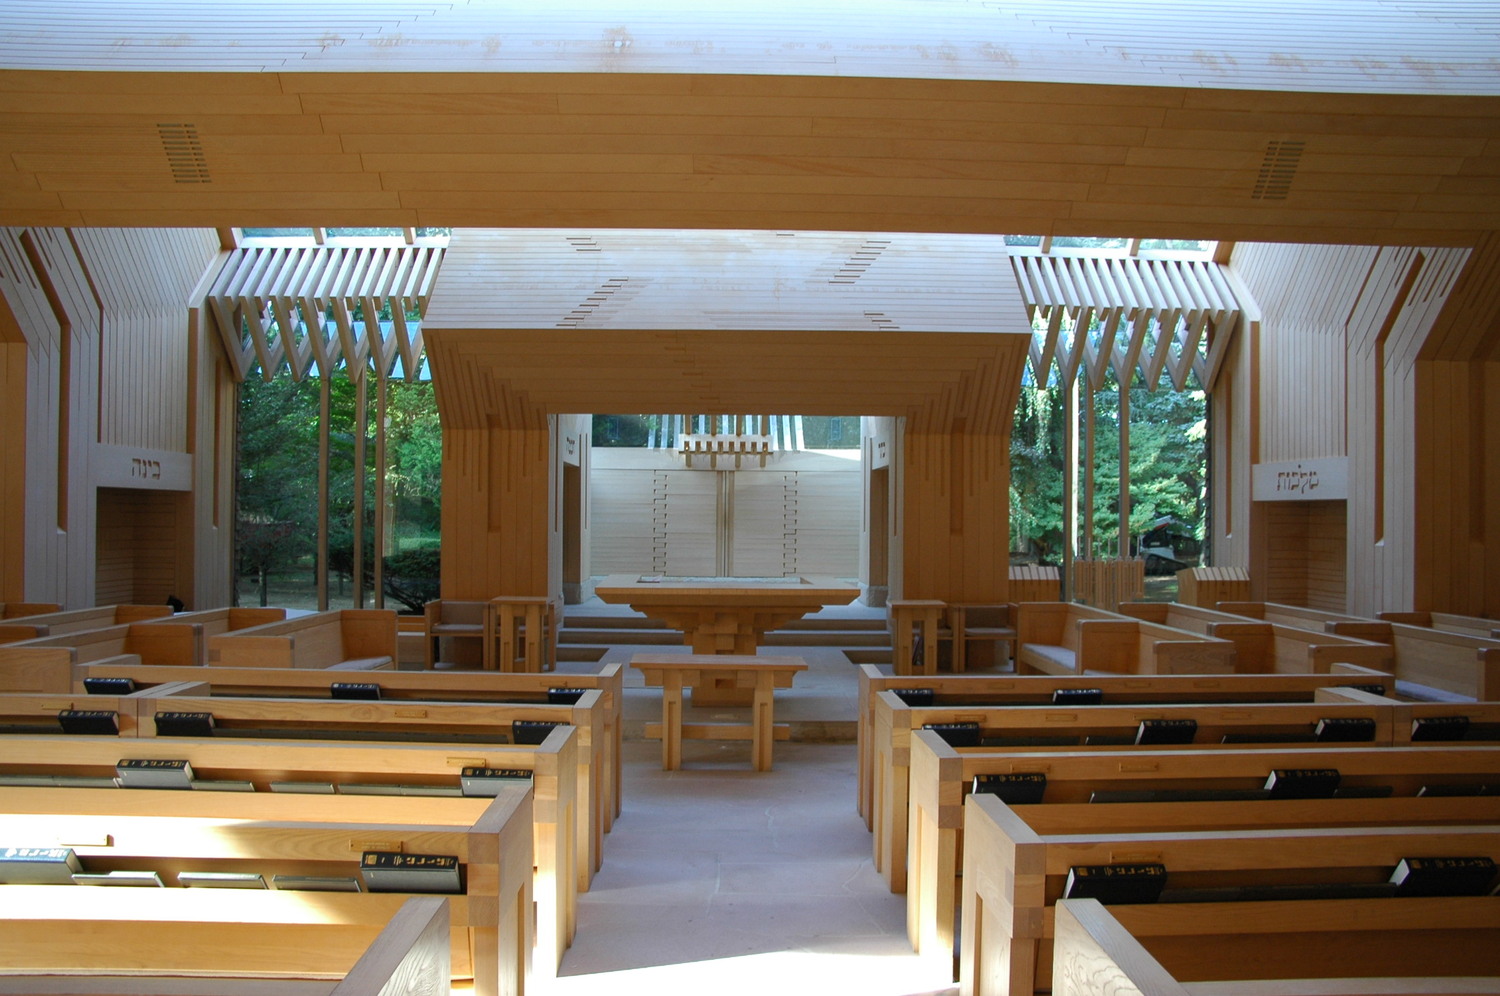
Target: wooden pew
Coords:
[[1013, 876], [1062, 728], [1064, 638], [36, 625], [350, 770], [1300, 617], [45, 713], [1433, 664], [425, 720], [1428, 663], [1097, 952], [45, 664], [1267, 647], [942, 776], [17, 610], [214, 622], [1448, 622], [355, 639], [465, 686], [1116, 689], [411, 954], [1207, 585], [1034, 583], [1445, 723], [173, 833]]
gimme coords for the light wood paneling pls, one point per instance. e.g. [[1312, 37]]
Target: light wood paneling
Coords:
[[13, 439], [623, 525], [102, 313], [1305, 295], [1305, 553], [137, 541]]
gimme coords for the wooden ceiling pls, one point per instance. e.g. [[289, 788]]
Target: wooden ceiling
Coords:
[[526, 324], [942, 382], [687, 151]]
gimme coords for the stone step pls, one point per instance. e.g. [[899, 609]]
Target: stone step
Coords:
[[581, 621], [570, 636]]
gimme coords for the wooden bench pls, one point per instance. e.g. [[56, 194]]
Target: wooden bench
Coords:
[[280, 838], [1433, 664], [1114, 689], [1063, 638], [46, 664], [353, 639], [463, 686], [34, 626], [410, 954], [1428, 663], [1013, 875], [18, 610], [1103, 951], [350, 770], [215, 622], [1267, 647], [1046, 728], [1206, 586], [49, 713], [1446, 723], [1448, 622], [1301, 617], [761, 675], [426, 720], [942, 777]]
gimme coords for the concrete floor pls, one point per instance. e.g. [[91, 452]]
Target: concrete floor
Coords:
[[718, 879]]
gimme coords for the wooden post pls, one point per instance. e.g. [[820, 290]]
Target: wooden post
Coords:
[[322, 561], [383, 517], [1088, 470], [1125, 468], [361, 426], [1070, 486]]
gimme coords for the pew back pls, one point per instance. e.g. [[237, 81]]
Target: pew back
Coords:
[[1013, 876], [1116, 689], [35, 625], [174, 833], [337, 638]]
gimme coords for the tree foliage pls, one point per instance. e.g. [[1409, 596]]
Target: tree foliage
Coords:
[[1168, 465], [277, 481]]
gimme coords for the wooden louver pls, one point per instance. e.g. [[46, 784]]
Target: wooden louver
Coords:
[[295, 306], [1123, 314]]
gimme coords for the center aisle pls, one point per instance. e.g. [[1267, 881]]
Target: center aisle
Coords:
[[720, 879]]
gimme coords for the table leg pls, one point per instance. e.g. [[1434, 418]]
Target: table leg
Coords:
[[763, 730], [671, 720]]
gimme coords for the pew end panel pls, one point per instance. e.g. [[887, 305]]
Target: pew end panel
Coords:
[[38, 669]]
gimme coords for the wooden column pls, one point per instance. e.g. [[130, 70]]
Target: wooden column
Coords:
[[361, 426], [13, 459], [1087, 550], [322, 560], [383, 515], [496, 515], [1124, 468], [1070, 486], [956, 516]]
